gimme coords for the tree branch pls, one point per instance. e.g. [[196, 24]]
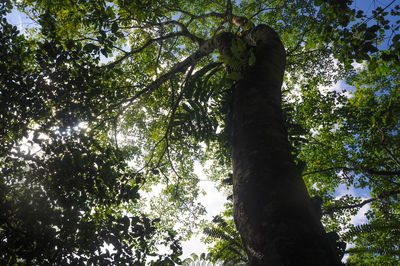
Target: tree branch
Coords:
[[228, 11], [361, 204], [183, 29], [139, 49], [201, 16], [299, 42], [188, 34], [206, 48], [26, 157], [380, 12], [383, 139], [367, 170]]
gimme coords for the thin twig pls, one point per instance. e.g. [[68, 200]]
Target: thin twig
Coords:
[[344, 168], [361, 204]]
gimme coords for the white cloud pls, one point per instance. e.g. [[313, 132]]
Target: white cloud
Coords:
[[359, 66], [343, 190], [339, 86], [213, 200], [360, 217], [346, 256], [194, 245], [20, 26]]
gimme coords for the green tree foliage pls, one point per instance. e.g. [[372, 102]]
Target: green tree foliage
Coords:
[[358, 144], [100, 101], [62, 187], [203, 259], [228, 244]]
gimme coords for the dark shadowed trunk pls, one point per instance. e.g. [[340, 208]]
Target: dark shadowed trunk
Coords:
[[272, 209]]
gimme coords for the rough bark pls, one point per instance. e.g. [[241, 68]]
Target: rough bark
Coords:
[[272, 209]]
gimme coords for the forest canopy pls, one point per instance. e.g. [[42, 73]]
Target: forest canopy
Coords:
[[104, 101]]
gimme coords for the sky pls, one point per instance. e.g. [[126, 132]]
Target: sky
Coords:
[[214, 200]]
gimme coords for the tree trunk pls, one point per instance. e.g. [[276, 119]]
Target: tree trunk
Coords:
[[272, 209]]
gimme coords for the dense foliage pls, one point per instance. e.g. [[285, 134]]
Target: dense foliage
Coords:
[[101, 101]]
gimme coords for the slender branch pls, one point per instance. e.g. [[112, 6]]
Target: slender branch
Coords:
[[380, 12], [141, 48], [151, 154], [259, 11], [96, 40], [391, 155], [183, 29], [308, 52], [166, 177], [171, 117], [169, 127], [158, 58], [367, 170], [364, 202], [281, 7], [206, 48], [201, 16], [115, 133], [299, 42], [167, 132], [26, 157]]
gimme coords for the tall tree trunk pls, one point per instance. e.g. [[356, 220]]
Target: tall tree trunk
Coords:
[[272, 209]]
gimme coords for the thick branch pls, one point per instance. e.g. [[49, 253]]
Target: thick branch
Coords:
[[186, 32], [217, 42], [241, 22], [206, 48], [228, 8]]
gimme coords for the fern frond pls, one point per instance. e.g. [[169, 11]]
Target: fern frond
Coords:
[[373, 250], [217, 233], [369, 228]]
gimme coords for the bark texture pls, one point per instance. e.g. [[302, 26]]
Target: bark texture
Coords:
[[272, 209]]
